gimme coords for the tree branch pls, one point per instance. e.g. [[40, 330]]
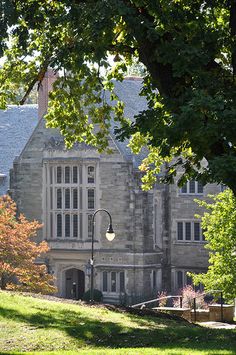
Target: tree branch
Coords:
[[38, 78]]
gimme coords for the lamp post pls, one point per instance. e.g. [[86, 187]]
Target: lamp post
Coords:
[[110, 235]]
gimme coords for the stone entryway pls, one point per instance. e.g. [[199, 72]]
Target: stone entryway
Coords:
[[75, 283]]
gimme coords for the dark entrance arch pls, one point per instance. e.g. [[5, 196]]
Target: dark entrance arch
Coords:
[[75, 283]]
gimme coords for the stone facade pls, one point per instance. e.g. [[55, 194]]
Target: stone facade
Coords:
[[157, 237]]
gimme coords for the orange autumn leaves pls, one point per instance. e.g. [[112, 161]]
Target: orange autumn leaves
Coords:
[[19, 253]]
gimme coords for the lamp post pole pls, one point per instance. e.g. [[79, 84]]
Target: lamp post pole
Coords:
[[110, 235]]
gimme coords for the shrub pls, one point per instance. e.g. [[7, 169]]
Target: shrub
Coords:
[[188, 294], [162, 302], [97, 296]]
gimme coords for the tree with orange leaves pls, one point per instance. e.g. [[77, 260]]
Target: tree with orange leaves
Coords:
[[18, 252]]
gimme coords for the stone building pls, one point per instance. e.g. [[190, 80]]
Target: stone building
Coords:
[[157, 237]]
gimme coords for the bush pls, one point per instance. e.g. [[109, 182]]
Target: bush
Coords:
[[163, 301], [188, 294], [97, 296]]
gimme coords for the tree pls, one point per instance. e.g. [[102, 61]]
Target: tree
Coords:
[[188, 49], [18, 252], [219, 225]]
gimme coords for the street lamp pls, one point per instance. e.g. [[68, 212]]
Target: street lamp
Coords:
[[110, 235]]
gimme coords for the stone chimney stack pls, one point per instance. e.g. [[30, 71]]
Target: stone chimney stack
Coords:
[[44, 89]]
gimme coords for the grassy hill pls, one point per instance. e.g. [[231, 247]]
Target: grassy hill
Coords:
[[40, 326]]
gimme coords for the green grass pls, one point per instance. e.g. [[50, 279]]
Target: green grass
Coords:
[[39, 326]]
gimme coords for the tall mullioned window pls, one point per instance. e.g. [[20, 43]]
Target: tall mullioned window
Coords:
[[70, 199]]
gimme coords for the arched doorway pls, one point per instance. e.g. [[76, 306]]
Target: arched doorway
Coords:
[[75, 283]]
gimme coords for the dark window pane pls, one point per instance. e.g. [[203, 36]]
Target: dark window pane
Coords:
[[196, 231], [200, 188], [51, 174], [75, 198], [113, 281], [91, 174], [104, 281], [90, 226], [59, 225], [184, 189], [51, 198], [59, 198], [67, 198], [81, 226], [75, 175], [67, 174], [154, 279], [179, 279], [180, 231], [192, 186], [122, 281], [75, 226], [189, 280], [67, 226], [187, 231], [51, 225], [91, 199], [59, 174], [80, 174], [81, 198]]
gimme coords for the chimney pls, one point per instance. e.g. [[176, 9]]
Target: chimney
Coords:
[[44, 89]]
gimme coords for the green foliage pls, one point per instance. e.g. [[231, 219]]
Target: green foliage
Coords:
[[97, 295], [188, 51], [219, 225]]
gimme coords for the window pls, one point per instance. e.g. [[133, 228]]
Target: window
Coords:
[[70, 203], [90, 226], [59, 225], [189, 231], [91, 174], [91, 199], [105, 281], [182, 279], [67, 174], [113, 282], [192, 187]]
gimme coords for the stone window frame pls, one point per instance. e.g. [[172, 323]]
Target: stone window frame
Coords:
[[82, 185], [185, 225], [192, 188], [110, 274]]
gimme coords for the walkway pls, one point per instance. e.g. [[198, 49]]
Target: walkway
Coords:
[[218, 325]]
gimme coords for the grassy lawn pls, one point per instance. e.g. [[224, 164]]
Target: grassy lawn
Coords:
[[37, 326]]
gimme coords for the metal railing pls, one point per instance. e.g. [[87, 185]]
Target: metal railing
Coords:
[[159, 299], [180, 297]]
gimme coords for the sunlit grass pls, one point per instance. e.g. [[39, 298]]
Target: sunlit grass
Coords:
[[43, 327]]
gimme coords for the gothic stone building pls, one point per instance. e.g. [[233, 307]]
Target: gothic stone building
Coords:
[[157, 241]]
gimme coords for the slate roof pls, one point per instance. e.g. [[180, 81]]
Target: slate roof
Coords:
[[18, 122], [16, 125], [128, 92]]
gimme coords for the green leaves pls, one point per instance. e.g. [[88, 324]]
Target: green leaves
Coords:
[[219, 225], [186, 49]]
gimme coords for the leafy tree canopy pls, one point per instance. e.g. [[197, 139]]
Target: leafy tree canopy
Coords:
[[188, 49], [219, 224], [18, 252]]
